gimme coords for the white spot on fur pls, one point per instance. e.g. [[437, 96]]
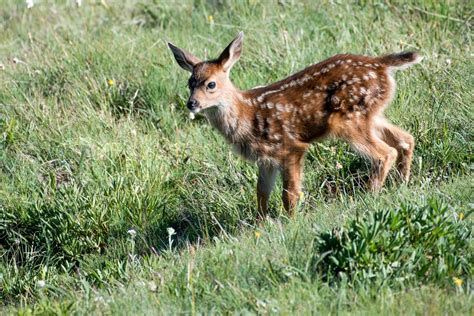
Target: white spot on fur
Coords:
[[372, 75], [317, 115], [404, 145], [259, 117], [291, 135], [276, 137], [245, 100]]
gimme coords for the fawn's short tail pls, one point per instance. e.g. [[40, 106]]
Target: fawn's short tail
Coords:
[[401, 60]]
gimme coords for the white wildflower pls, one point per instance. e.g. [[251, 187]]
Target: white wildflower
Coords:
[[170, 231], [132, 232], [29, 4], [41, 283], [152, 286], [18, 61]]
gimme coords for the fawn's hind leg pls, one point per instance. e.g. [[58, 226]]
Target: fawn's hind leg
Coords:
[[381, 154], [402, 141], [383, 157]]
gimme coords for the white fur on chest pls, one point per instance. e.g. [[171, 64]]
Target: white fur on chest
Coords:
[[237, 132]]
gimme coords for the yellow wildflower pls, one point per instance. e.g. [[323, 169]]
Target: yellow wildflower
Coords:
[[457, 281], [401, 43], [110, 82], [258, 234], [301, 195], [210, 19], [461, 216]]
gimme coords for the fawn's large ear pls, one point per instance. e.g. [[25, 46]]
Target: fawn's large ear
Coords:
[[186, 60], [231, 53]]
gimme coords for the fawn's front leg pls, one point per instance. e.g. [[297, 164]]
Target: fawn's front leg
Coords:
[[292, 174], [266, 181]]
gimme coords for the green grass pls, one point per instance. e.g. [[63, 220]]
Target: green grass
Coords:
[[83, 162]]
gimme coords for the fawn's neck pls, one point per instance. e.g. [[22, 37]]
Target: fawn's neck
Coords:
[[232, 117]]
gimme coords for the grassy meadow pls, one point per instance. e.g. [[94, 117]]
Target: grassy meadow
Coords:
[[113, 201]]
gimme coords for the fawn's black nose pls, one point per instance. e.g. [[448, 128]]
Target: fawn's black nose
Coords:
[[192, 104]]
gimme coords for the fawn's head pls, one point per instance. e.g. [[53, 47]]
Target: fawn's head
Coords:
[[209, 83]]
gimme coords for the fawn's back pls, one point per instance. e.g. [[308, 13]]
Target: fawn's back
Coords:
[[325, 99]]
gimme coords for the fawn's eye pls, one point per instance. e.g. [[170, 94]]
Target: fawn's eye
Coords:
[[211, 85]]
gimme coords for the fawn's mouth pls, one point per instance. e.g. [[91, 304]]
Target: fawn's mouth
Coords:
[[200, 108], [195, 111]]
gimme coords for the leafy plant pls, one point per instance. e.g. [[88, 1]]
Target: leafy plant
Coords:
[[420, 244]]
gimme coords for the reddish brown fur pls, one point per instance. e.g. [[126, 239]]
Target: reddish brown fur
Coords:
[[342, 97]]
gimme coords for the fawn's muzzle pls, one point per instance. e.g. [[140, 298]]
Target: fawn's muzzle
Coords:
[[192, 104]]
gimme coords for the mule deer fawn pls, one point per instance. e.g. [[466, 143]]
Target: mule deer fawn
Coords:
[[342, 97]]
